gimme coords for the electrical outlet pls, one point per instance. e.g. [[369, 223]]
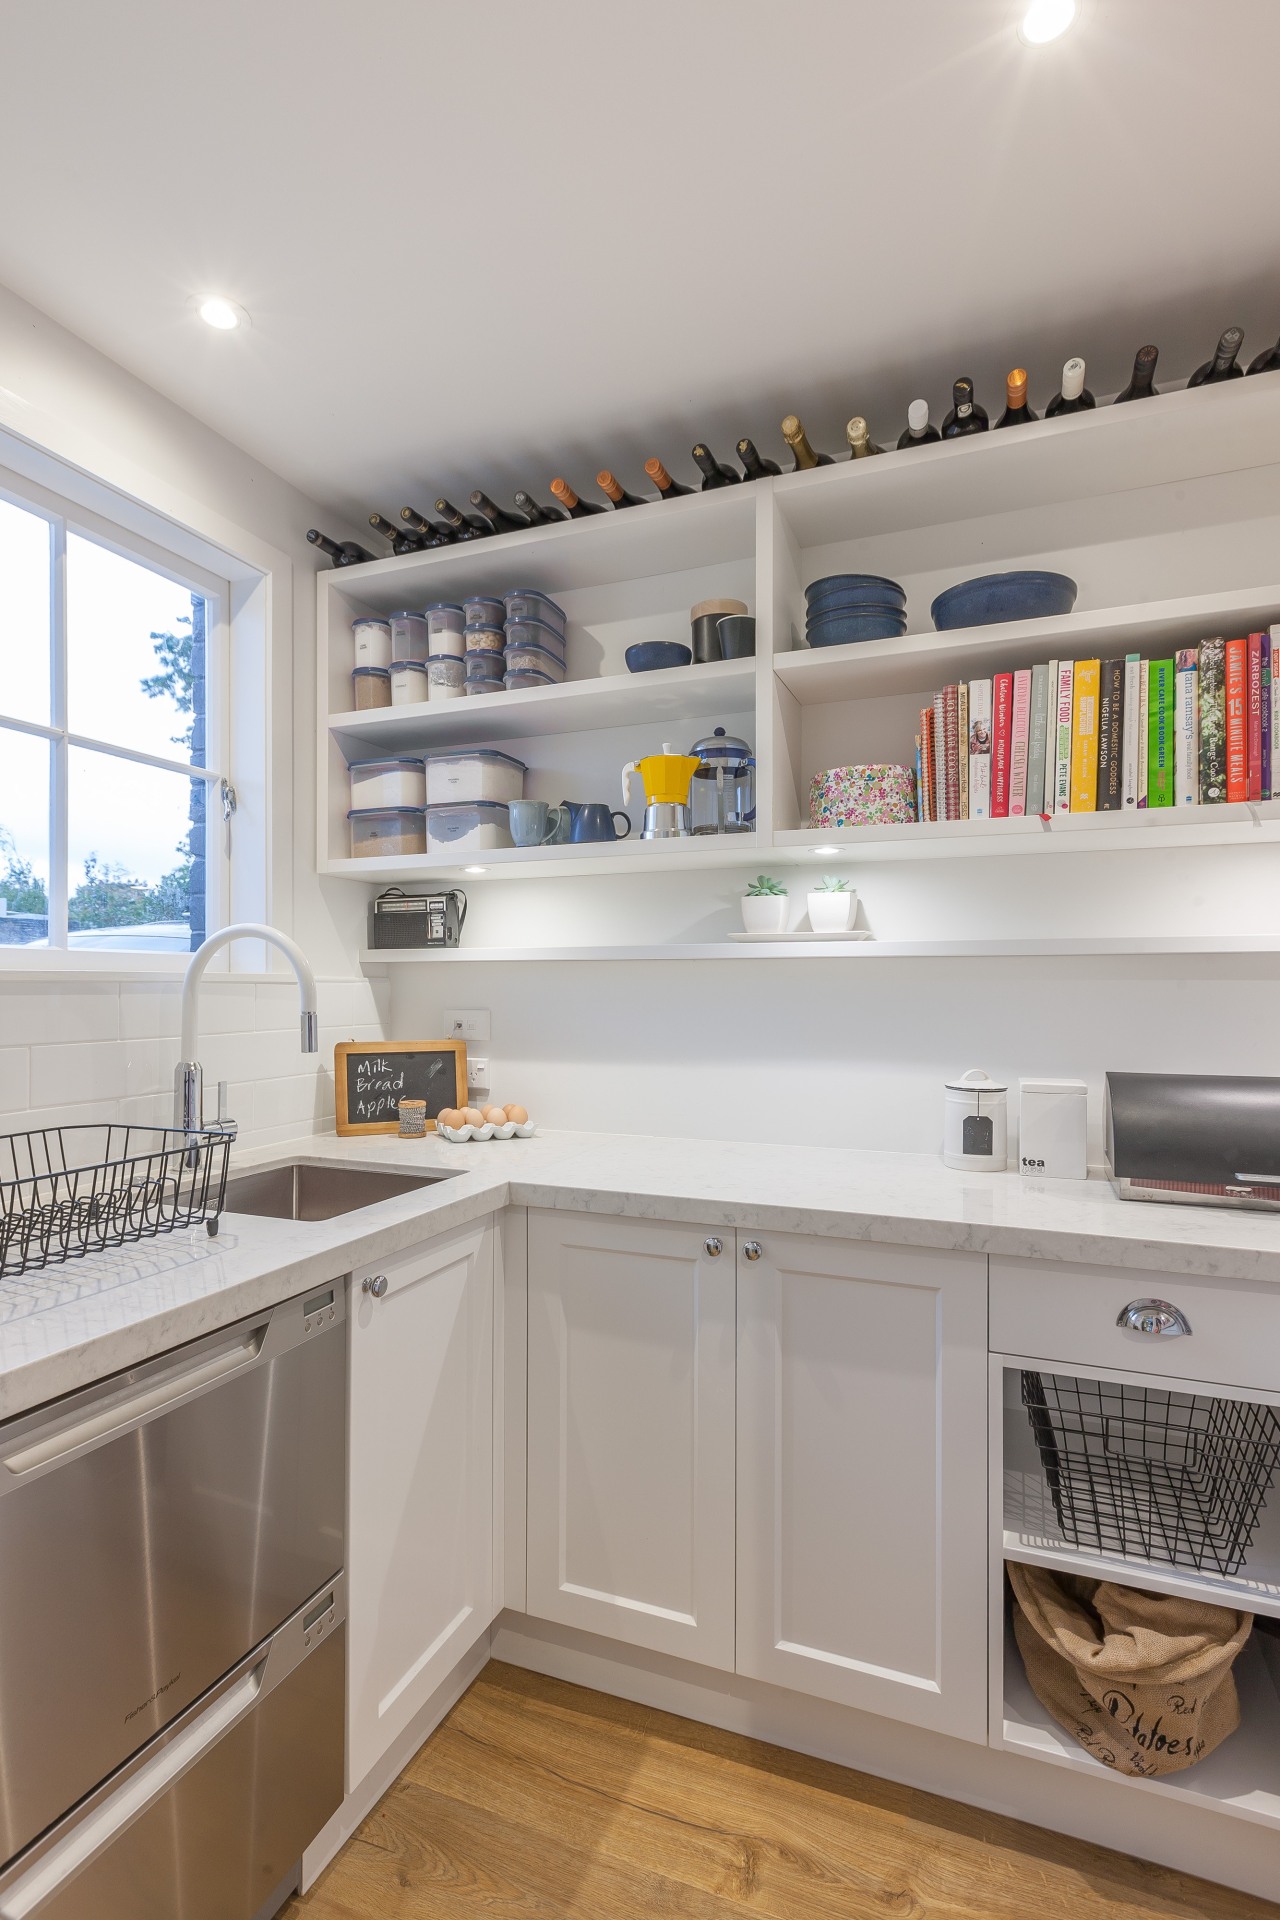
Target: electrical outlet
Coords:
[[467, 1023], [477, 1073]]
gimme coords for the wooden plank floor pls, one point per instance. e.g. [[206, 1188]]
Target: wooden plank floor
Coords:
[[535, 1800]]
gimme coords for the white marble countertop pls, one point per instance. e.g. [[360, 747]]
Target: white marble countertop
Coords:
[[72, 1324]]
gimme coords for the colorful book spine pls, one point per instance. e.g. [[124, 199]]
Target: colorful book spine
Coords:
[[919, 781], [1084, 737], [1062, 737], [1274, 637], [1186, 734], [939, 757], [1001, 743], [1110, 736], [980, 750], [1213, 722], [1237, 701], [1160, 754], [1144, 731], [951, 752], [1038, 739], [1253, 721], [1129, 740], [1267, 735], [962, 745], [1020, 741], [926, 808]]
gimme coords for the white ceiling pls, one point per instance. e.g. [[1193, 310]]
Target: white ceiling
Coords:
[[483, 244]]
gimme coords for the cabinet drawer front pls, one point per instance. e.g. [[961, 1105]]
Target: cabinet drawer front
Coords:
[[1049, 1310]]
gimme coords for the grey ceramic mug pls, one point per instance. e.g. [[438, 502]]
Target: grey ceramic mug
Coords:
[[533, 822]]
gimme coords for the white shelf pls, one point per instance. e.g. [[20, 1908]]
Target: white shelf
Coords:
[[923, 662], [531, 863], [842, 950], [675, 694], [1249, 824]]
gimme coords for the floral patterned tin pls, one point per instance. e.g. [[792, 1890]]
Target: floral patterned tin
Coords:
[[863, 797]]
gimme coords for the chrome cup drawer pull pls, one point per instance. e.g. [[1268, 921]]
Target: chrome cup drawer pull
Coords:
[[1153, 1316], [377, 1285], [714, 1247]]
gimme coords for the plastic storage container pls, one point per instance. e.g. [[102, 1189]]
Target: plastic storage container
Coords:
[[476, 774], [523, 680], [383, 830], [535, 633], [410, 637], [527, 659], [388, 783], [484, 612], [485, 639], [372, 642], [370, 687], [446, 677], [408, 682], [484, 671], [526, 603], [476, 826], [445, 624]]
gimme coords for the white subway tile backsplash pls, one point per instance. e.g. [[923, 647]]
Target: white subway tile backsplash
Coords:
[[150, 1011], [15, 1079], [97, 1070], [64, 1010]]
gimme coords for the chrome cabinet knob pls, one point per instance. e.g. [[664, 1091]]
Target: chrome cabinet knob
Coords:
[[376, 1285], [753, 1249], [714, 1247], [1154, 1317]]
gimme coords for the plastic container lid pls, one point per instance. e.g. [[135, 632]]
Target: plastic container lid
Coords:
[[384, 673], [383, 813], [536, 627], [474, 753], [531, 646], [406, 613], [491, 661], [379, 766], [517, 679], [419, 666], [444, 606], [434, 660], [369, 620], [532, 593]]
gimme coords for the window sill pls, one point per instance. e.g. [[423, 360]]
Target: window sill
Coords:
[[54, 962]]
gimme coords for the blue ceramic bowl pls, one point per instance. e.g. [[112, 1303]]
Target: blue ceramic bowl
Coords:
[[994, 597], [840, 628], [650, 656], [854, 606], [863, 587]]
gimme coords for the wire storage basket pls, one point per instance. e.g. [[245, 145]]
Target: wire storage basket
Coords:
[[68, 1191], [1178, 1478]]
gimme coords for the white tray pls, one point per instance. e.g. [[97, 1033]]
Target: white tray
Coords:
[[853, 933], [525, 1131]]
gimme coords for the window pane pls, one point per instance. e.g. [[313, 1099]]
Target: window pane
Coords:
[[24, 613], [24, 839], [135, 654], [137, 855]]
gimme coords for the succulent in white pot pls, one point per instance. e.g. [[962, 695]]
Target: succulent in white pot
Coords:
[[764, 906], [832, 905]]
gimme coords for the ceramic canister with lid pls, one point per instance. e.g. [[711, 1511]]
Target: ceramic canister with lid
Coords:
[[975, 1122]]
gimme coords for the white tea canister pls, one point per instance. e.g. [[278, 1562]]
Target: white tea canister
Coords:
[[975, 1122], [1051, 1129]]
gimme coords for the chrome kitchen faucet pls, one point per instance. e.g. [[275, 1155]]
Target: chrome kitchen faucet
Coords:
[[188, 1082]]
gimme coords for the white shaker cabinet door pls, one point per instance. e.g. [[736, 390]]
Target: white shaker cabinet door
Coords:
[[862, 1476], [420, 1496], [631, 1431]]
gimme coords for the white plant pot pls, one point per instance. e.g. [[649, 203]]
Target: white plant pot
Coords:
[[764, 912], [832, 912]]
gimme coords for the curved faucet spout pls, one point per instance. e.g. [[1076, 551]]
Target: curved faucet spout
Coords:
[[189, 1087]]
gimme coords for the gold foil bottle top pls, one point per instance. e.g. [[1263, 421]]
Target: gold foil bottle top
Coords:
[[1016, 387], [792, 431], [856, 431]]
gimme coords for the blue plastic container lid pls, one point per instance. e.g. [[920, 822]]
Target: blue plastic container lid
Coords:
[[489, 661], [528, 673], [532, 593], [406, 613], [477, 753], [483, 600], [369, 620], [432, 658], [484, 626], [553, 633], [444, 606], [371, 766], [384, 813], [384, 673], [531, 646], [398, 665]]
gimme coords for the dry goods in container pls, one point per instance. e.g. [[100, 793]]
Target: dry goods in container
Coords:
[[371, 640], [474, 774], [383, 830], [473, 827], [408, 682], [388, 783], [370, 687]]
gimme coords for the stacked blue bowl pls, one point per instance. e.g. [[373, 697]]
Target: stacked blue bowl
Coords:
[[854, 606]]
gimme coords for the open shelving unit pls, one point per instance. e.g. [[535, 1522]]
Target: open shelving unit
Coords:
[[1166, 515]]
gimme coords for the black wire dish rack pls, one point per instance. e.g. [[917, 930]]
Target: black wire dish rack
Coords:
[[68, 1191], [1178, 1478]]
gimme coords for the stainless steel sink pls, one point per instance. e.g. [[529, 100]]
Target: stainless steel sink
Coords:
[[297, 1191]]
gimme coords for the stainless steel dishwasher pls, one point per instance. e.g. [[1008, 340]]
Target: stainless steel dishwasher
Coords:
[[172, 1641]]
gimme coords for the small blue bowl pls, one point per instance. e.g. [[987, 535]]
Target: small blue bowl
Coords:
[[996, 597], [840, 628], [650, 656], [849, 587]]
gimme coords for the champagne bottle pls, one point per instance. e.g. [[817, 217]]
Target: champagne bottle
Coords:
[[344, 553], [668, 489], [575, 508], [713, 474], [428, 532], [499, 520], [539, 516], [1268, 362], [798, 441], [1141, 385], [861, 445], [966, 416], [1223, 364], [463, 526], [918, 432], [402, 540], [615, 491], [1016, 411], [1073, 396], [753, 467]]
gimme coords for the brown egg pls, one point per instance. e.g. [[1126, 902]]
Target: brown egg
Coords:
[[498, 1115], [518, 1114], [472, 1117], [448, 1117]]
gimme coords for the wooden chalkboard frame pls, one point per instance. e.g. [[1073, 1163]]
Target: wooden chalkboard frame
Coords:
[[455, 1048]]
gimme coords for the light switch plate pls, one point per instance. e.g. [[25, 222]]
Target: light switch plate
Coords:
[[467, 1023]]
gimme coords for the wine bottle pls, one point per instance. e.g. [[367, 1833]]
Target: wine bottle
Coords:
[[713, 474], [1016, 411], [798, 441], [861, 445], [575, 508], [753, 467], [1223, 364], [463, 526], [344, 553], [539, 516], [402, 540], [918, 432], [1268, 362], [615, 491], [1072, 396], [427, 531], [668, 489], [499, 520], [966, 416], [1141, 385]]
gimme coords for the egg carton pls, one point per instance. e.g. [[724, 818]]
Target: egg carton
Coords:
[[524, 1131]]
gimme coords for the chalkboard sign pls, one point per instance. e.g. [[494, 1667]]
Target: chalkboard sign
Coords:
[[373, 1080]]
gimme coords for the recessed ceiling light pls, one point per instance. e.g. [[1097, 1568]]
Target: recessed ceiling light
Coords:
[[475, 869], [217, 311], [1044, 20]]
